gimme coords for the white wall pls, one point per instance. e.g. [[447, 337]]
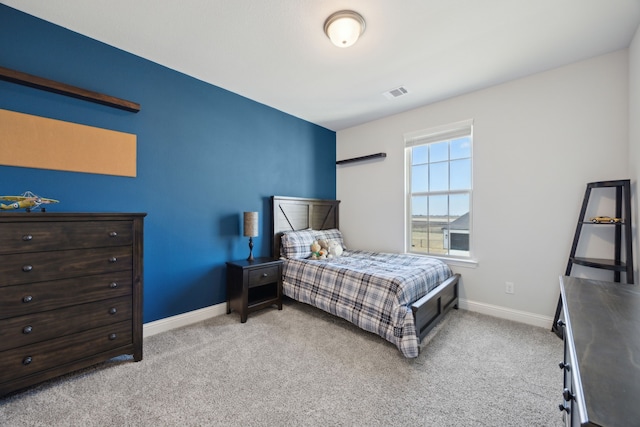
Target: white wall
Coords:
[[537, 142]]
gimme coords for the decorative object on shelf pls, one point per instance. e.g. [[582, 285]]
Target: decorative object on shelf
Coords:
[[605, 220], [362, 158], [250, 230], [344, 27], [25, 79], [26, 201]]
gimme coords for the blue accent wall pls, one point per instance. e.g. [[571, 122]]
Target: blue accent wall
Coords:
[[204, 155]]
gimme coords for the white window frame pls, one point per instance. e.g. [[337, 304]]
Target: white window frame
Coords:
[[425, 137]]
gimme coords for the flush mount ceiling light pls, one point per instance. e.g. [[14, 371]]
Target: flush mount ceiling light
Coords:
[[344, 27]]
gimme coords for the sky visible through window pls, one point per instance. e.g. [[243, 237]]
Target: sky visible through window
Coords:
[[441, 167]]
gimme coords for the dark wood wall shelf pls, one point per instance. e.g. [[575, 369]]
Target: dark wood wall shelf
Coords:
[[362, 158], [67, 90]]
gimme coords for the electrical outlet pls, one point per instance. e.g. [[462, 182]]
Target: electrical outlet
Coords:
[[509, 288]]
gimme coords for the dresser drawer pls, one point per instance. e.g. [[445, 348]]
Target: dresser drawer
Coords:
[[33, 328], [35, 297], [44, 236], [38, 357], [16, 269], [263, 275]]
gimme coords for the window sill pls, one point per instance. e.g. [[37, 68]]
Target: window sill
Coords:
[[458, 262]]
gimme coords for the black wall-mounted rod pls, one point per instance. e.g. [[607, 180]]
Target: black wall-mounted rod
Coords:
[[362, 158]]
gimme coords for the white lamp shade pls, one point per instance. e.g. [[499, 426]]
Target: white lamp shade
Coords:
[[250, 224], [344, 28]]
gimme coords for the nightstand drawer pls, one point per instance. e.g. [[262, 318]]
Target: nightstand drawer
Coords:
[[264, 275]]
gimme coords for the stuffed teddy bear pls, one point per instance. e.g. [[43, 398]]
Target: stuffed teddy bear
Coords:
[[315, 250], [328, 249], [319, 249], [335, 250]]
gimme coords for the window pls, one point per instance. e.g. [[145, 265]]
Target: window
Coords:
[[439, 185]]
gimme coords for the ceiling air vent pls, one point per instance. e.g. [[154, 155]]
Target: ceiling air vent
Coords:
[[396, 92]]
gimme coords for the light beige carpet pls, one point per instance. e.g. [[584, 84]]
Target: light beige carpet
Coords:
[[302, 367]]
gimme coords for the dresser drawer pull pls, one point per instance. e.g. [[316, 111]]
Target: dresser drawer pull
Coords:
[[113, 234], [113, 336], [113, 310], [26, 299], [113, 285], [567, 395], [27, 360], [264, 275], [27, 237], [27, 268], [27, 330], [113, 259]]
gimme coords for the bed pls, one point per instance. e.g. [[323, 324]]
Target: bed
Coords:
[[399, 297]]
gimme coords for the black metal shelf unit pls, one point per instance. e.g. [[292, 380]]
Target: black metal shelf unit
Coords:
[[618, 264]]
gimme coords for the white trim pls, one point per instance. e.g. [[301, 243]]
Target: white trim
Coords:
[[184, 319], [180, 320], [438, 133], [506, 313], [458, 262]]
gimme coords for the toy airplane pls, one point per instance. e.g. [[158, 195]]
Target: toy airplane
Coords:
[[27, 201]]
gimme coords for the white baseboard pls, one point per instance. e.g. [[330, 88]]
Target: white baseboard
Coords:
[[506, 313], [168, 323]]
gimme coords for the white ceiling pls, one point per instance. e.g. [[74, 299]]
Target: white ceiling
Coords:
[[275, 51]]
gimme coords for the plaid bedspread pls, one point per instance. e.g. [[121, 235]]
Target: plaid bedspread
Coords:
[[372, 290]]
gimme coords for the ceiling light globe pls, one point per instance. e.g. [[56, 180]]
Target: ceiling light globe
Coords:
[[344, 32], [344, 27]]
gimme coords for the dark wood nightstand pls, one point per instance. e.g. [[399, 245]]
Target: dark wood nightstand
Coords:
[[253, 285]]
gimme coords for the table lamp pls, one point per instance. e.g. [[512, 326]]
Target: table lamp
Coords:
[[250, 230]]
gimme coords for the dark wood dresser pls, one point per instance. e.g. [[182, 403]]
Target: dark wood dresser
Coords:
[[602, 353], [70, 293]]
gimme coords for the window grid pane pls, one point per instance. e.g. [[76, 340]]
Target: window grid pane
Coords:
[[439, 176], [460, 174], [419, 178], [461, 148]]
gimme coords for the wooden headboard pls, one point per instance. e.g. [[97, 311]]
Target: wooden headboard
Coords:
[[296, 213]]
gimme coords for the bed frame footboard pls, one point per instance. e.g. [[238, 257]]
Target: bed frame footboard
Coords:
[[429, 309]]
